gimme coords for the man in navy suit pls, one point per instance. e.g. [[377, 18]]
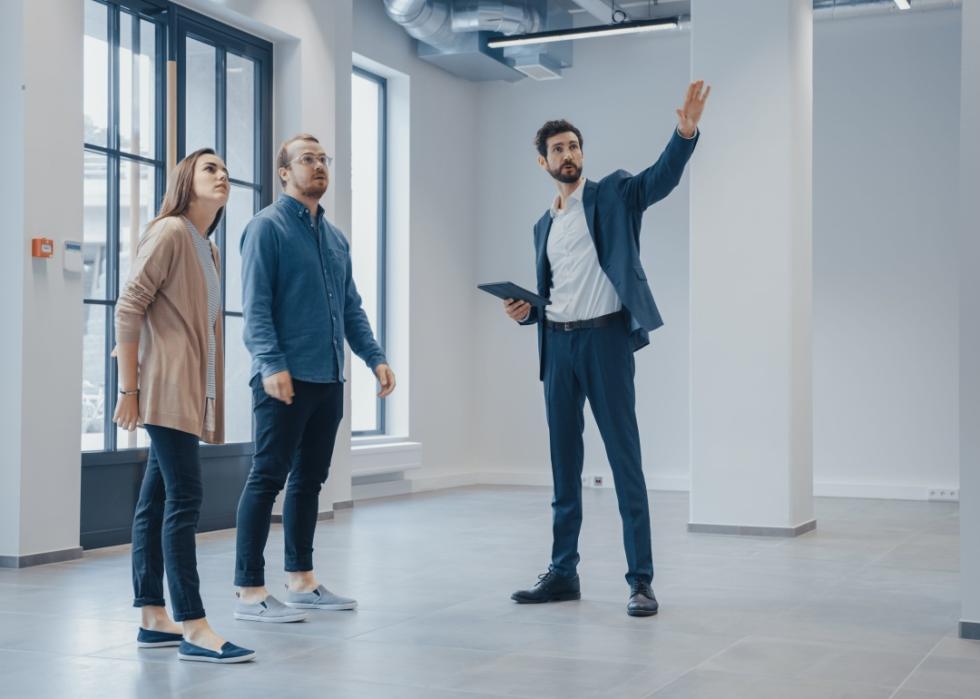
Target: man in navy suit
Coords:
[[588, 263]]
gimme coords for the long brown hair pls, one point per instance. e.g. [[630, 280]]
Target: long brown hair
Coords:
[[180, 190]]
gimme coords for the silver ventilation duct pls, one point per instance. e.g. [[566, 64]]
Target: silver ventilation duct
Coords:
[[427, 20], [453, 35], [506, 17]]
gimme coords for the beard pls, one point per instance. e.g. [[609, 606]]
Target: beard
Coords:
[[315, 188], [566, 177]]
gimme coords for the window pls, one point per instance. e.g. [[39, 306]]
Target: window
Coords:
[[123, 183], [223, 101], [224, 88], [369, 203]]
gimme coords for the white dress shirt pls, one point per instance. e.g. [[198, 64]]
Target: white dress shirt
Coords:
[[580, 289]]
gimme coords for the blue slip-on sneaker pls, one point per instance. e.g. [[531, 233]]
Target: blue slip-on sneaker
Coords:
[[229, 653], [157, 639]]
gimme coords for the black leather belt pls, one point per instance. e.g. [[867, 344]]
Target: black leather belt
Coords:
[[600, 322]]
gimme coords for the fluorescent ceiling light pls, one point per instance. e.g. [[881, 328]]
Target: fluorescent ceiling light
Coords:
[[651, 25], [903, 4]]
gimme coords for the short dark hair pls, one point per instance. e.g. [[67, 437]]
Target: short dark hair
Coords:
[[282, 158], [552, 128]]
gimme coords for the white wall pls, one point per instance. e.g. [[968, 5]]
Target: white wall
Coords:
[[444, 185], [885, 136], [42, 125], [12, 271], [886, 128]]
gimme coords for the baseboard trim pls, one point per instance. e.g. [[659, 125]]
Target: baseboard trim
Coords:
[[40, 559], [444, 482], [343, 505], [741, 530], [534, 478], [873, 491], [970, 630], [676, 483], [277, 519]]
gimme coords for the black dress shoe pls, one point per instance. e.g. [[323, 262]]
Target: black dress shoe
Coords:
[[550, 587], [642, 601]]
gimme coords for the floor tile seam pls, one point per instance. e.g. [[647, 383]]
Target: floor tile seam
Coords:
[[520, 653], [357, 636], [80, 656], [843, 645], [203, 683], [30, 651], [897, 546], [809, 682], [804, 679], [541, 622], [700, 665], [68, 615], [359, 680], [501, 650], [464, 674], [916, 668]]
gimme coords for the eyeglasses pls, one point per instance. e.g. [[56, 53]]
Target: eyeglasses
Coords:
[[310, 160]]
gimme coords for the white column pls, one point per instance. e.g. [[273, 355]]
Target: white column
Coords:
[[41, 317], [750, 275], [970, 322]]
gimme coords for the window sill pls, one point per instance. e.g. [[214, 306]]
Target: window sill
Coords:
[[375, 455]]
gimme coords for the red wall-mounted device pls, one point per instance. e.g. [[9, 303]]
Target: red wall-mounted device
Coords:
[[42, 247]]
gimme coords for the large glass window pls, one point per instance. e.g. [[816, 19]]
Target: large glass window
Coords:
[[225, 83], [223, 102], [123, 176], [368, 179]]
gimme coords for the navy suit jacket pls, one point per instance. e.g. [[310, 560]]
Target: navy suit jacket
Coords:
[[614, 209]]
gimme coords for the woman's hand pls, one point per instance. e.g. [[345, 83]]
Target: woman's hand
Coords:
[[127, 412]]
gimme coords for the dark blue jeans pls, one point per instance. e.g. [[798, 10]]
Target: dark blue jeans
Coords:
[[294, 441], [595, 363], [165, 524]]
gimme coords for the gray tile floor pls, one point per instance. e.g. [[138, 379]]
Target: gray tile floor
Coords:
[[866, 606]]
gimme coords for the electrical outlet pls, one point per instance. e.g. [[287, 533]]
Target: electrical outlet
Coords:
[[596, 481], [944, 494]]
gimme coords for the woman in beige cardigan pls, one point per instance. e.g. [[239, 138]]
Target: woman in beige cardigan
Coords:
[[168, 328]]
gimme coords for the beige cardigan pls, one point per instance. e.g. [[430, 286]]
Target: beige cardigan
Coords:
[[164, 307]]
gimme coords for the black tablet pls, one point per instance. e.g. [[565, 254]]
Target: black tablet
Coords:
[[510, 290]]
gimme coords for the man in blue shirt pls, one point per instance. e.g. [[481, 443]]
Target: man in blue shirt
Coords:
[[299, 304]]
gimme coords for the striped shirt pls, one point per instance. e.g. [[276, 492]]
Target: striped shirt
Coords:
[[204, 256]]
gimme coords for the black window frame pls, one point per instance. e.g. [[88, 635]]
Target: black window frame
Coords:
[[188, 24], [115, 156], [382, 262], [172, 24]]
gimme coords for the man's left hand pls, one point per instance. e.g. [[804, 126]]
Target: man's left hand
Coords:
[[386, 377], [689, 115]]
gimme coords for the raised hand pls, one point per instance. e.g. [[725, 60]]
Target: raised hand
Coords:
[[689, 115]]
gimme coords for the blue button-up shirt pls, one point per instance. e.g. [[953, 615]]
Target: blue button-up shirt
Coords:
[[298, 296]]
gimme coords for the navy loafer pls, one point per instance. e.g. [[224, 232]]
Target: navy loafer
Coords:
[[157, 639], [229, 653]]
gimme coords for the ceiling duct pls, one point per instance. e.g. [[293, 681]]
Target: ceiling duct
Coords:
[[453, 35], [502, 16]]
